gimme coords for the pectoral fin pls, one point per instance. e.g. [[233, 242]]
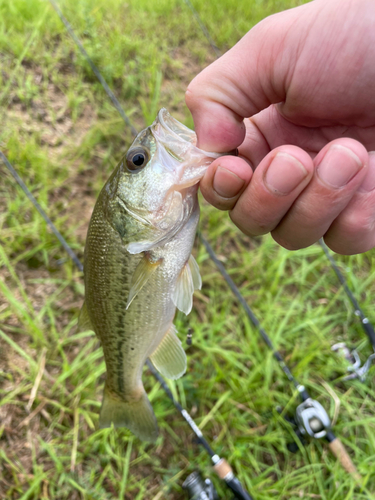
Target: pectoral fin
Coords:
[[142, 274], [188, 281], [84, 322], [169, 358]]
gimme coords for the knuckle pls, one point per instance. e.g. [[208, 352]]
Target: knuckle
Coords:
[[255, 215], [216, 201], [192, 95], [286, 243], [221, 204], [241, 223], [352, 233], [262, 227], [251, 226], [189, 96], [355, 223]]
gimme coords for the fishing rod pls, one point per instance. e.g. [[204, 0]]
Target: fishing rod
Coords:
[[48, 221], [365, 322], [358, 371], [220, 465], [311, 418]]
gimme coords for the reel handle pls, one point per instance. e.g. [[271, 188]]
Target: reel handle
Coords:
[[338, 449], [225, 472], [237, 489]]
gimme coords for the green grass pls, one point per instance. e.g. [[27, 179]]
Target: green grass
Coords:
[[64, 138]]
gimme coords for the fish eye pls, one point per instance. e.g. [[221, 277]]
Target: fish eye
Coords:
[[137, 158]]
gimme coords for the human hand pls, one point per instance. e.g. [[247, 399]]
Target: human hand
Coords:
[[306, 77]]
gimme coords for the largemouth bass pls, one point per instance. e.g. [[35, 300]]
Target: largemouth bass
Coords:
[[138, 266]]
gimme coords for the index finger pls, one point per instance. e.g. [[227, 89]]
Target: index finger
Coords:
[[247, 79]]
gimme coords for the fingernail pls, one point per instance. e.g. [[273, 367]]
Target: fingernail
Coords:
[[284, 174], [226, 183], [338, 166], [368, 183]]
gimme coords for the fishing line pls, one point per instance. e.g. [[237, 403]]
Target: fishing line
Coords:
[[203, 28], [98, 75], [365, 322], [50, 224]]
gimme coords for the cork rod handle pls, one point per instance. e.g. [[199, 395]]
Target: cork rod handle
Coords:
[[341, 454]]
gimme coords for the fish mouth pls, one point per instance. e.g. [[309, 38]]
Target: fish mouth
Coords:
[[192, 185], [189, 162], [175, 128], [177, 137]]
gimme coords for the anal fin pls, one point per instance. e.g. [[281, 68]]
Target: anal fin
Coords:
[[169, 358], [142, 274]]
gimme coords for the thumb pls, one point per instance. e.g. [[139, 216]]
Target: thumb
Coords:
[[245, 80]]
